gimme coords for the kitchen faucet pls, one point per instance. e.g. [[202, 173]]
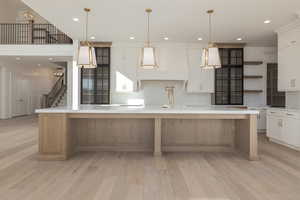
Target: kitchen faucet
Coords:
[[170, 93]]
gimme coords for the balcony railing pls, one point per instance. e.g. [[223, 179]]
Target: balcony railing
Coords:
[[32, 34]]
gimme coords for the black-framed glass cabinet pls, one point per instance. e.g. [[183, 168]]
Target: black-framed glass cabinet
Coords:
[[229, 80], [95, 83]]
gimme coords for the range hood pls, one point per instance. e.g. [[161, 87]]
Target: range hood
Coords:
[[173, 66]]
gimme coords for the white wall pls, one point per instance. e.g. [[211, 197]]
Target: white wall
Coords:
[[11, 11], [38, 81], [8, 11]]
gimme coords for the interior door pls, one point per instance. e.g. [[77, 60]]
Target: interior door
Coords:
[[21, 97]]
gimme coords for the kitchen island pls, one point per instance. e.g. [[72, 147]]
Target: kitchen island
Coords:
[[65, 131]]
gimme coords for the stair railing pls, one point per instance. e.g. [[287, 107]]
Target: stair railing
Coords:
[[32, 34], [50, 98]]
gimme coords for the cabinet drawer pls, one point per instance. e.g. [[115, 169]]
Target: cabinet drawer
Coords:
[[276, 113], [294, 115]]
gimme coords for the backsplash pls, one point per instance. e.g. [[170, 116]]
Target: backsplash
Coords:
[[153, 93], [293, 100]]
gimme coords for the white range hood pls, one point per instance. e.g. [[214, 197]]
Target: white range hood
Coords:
[[172, 65]]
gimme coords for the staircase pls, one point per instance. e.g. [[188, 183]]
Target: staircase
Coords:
[[57, 96], [61, 99]]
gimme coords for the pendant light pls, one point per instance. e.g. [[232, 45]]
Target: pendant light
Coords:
[[210, 56], [86, 53], [148, 60]]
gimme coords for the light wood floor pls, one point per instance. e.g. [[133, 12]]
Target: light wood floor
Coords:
[[130, 176]]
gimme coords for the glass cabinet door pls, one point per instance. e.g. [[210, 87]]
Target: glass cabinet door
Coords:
[[95, 83]]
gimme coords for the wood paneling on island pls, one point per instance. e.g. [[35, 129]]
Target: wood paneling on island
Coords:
[[62, 135]]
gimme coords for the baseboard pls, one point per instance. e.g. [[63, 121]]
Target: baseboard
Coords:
[[46, 157], [114, 148], [197, 148], [284, 144], [179, 148]]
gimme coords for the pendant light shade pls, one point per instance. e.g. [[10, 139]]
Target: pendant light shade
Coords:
[[210, 56], [86, 53], [148, 57], [87, 57]]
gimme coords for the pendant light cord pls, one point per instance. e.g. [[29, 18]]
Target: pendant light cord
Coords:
[[148, 30], [209, 27], [86, 26]]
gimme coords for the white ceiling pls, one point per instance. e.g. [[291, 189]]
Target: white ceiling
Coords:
[[31, 61], [180, 20]]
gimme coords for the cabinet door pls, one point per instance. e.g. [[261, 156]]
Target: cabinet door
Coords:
[[274, 127], [124, 65], [200, 80], [292, 67], [282, 70], [288, 59], [291, 134]]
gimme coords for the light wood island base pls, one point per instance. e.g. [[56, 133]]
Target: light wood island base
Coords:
[[61, 135]]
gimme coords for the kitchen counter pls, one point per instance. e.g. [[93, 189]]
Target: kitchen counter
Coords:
[[116, 109], [64, 131], [284, 109]]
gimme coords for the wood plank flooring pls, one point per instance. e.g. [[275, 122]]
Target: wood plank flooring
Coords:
[[131, 176]]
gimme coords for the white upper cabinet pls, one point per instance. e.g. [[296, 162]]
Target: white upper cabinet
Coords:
[[289, 57], [124, 68], [199, 80], [172, 61]]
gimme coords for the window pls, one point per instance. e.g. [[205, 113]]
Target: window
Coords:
[[229, 80], [95, 83]]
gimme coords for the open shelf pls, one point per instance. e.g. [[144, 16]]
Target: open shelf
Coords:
[[253, 62], [252, 76], [253, 91]]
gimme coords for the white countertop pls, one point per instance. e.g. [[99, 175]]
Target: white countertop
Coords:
[[114, 109], [285, 109]]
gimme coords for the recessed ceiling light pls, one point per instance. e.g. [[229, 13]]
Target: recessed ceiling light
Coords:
[[239, 39], [93, 37], [267, 21], [50, 58], [75, 19], [166, 38], [18, 58], [131, 38], [39, 65], [199, 39]]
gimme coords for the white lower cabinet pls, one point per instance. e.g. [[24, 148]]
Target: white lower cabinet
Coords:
[[274, 126], [292, 130], [284, 127]]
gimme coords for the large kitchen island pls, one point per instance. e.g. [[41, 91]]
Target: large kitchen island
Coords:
[[65, 131]]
